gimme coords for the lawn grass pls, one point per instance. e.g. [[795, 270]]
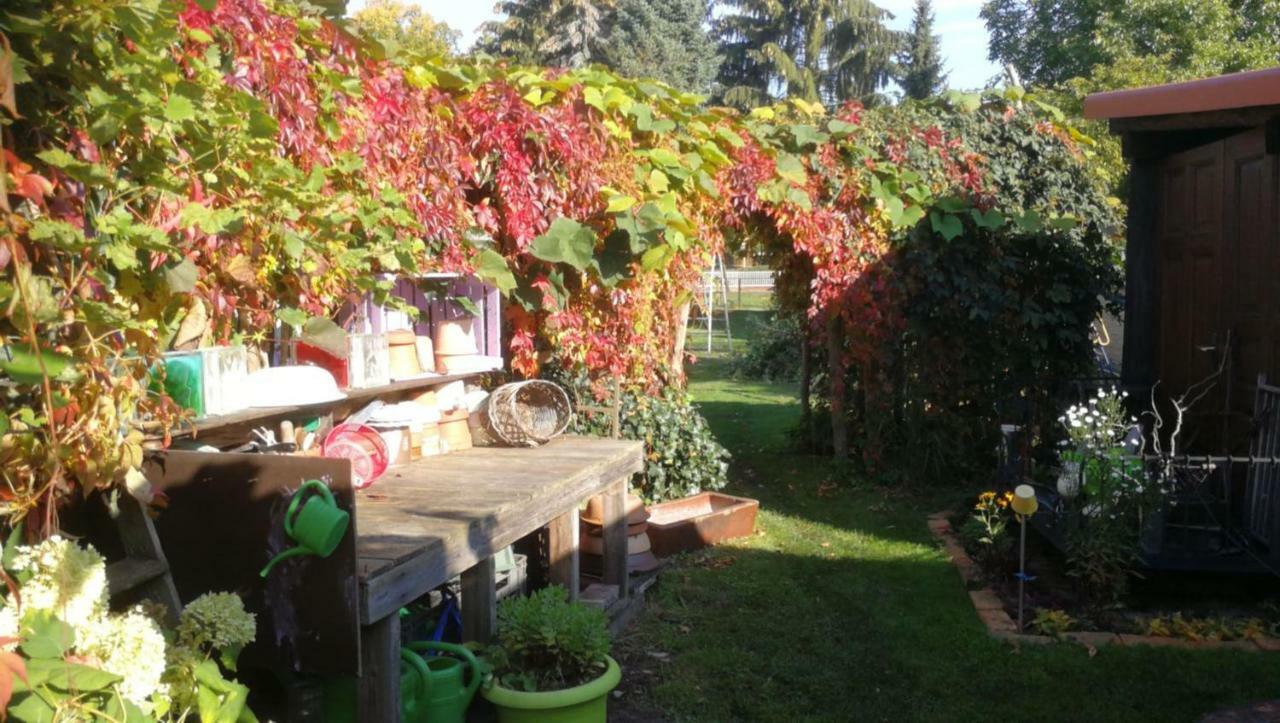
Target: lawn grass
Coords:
[[842, 607]]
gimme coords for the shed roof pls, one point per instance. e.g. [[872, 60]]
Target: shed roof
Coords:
[[1225, 92]]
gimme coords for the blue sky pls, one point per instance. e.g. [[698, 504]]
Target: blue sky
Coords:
[[964, 37]]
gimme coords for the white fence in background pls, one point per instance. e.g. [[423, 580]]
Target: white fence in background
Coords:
[[749, 279]]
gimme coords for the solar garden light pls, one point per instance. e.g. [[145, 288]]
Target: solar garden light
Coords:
[[1024, 505]]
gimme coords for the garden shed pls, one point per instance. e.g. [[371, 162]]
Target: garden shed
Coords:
[[1203, 248]]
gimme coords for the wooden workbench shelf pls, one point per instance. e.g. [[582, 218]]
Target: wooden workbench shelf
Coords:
[[234, 427]]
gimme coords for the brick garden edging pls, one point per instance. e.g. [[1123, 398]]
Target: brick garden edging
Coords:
[[991, 611]]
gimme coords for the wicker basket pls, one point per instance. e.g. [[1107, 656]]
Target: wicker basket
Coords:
[[526, 414]]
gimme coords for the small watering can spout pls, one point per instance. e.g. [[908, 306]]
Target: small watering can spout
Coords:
[[291, 552]]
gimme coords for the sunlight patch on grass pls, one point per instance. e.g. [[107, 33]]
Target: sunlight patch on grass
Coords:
[[845, 609]]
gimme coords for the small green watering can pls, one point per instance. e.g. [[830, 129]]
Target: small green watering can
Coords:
[[445, 698], [319, 525]]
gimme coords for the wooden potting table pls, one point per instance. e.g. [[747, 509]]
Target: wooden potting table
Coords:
[[424, 523]]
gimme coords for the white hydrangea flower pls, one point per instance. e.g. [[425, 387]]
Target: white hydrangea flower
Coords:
[[68, 580], [217, 620], [131, 646], [9, 626]]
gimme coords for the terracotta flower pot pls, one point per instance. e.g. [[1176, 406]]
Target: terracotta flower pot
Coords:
[[455, 434], [636, 544], [455, 337], [594, 513], [402, 348]]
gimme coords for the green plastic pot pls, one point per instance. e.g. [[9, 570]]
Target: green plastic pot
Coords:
[[583, 704]]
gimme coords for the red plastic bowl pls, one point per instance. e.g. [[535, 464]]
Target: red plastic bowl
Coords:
[[363, 446]]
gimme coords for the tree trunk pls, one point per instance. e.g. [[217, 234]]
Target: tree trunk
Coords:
[[835, 363], [806, 381], [682, 332]]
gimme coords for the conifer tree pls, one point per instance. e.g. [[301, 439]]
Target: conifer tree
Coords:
[[920, 63]]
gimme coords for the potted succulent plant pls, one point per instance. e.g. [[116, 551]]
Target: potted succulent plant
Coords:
[[551, 662]]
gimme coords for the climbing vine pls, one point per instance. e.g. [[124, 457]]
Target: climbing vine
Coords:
[[186, 173]]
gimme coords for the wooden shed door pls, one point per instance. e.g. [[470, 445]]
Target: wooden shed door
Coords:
[[1190, 233], [1218, 266], [1250, 297]]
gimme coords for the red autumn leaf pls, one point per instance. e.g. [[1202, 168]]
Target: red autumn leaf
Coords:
[[31, 186], [10, 665]]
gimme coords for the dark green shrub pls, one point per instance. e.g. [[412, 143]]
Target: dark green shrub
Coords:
[[774, 353], [996, 319], [682, 456], [546, 642]]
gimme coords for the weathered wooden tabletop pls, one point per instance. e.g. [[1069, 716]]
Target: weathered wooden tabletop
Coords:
[[425, 522]]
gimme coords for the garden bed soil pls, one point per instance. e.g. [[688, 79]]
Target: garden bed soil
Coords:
[[994, 594]]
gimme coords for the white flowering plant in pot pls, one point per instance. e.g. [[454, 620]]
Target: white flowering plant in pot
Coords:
[[1102, 456], [1106, 483], [65, 656]]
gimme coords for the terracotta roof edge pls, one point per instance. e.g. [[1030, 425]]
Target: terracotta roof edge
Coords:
[[1237, 90]]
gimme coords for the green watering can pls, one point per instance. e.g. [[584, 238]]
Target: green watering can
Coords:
[[319, 525], [445, 698], [415, 684]]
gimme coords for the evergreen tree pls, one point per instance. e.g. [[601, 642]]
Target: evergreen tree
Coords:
[[556, 33], [827, 51], [920, 62], [662, 39]]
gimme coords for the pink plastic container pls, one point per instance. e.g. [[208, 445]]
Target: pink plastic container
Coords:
[[363, 446]]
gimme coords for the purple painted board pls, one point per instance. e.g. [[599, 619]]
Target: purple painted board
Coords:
[[488, 327]]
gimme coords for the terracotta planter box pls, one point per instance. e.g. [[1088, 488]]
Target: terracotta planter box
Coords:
[[699, 521]]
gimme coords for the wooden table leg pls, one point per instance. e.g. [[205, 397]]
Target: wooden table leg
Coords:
[[615, 536], [378, 692], [479, 602], [562, 552]]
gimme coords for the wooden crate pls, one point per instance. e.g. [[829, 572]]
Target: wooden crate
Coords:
[[371, 318]]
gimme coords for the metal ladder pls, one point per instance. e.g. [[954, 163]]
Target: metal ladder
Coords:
[[715, 280]]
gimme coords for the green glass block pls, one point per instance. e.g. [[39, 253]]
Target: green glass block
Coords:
[[183, 381]]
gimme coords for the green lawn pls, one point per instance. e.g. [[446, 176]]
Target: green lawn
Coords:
[[843, 608]]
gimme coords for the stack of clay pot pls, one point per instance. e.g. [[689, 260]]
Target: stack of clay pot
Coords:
[[639, 556], [402, 349], [455, 347]]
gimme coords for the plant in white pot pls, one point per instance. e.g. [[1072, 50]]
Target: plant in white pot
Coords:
[[551, 662]]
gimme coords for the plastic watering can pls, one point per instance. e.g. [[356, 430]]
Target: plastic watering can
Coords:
[[415, 683], [318, 526], [415, 686], [446, 697]]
